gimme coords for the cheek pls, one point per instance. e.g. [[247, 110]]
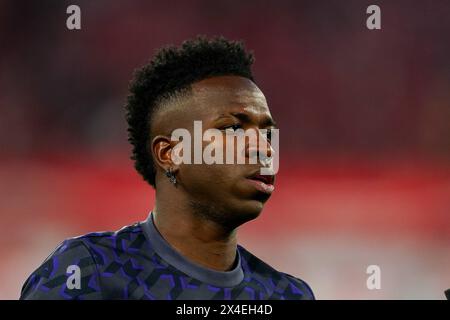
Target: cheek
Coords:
[[209, 179], [221, 151]]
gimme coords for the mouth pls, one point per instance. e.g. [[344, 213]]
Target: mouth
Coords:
[[263, 183]]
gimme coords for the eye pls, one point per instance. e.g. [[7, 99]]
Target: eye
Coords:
[[233, 127], [269, 134]]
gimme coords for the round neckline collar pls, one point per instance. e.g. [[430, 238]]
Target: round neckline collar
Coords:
[[169, 254]]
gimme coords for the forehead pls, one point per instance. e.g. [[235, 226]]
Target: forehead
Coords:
[[211, 98], [223, 94]]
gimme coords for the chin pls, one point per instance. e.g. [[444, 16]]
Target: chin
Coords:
[[246, 212]]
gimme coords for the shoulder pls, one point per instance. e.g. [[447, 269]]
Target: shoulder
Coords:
[[285, 286], [127, 237], [71, 271]]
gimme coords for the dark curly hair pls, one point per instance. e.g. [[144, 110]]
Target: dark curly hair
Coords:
[[172, 70]]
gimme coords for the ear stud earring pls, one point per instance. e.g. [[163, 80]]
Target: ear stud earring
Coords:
[[171, 176]]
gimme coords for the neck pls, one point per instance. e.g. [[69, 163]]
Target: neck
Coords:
[[197, 238]]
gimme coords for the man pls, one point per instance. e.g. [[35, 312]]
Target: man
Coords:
[[187, 248]]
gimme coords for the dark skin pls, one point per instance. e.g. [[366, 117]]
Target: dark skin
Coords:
[[199, 216]]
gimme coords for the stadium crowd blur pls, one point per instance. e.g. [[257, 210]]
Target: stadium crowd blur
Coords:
[[364, 120]]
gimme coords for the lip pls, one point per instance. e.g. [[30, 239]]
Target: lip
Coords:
[[263, 183], [261, 186]]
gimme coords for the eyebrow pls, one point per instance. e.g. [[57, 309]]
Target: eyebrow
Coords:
[[244, 117]]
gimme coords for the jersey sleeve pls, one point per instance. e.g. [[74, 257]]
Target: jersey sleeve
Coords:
[[69, 273], [302, 286]]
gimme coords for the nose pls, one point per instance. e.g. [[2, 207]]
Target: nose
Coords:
[[263, 149]]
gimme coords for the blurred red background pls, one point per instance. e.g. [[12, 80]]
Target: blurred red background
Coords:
[[364, 122]]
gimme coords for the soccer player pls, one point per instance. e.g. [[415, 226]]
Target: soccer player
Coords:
[[187, 247]]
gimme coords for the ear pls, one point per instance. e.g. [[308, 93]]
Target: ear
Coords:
[[161, 148]]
